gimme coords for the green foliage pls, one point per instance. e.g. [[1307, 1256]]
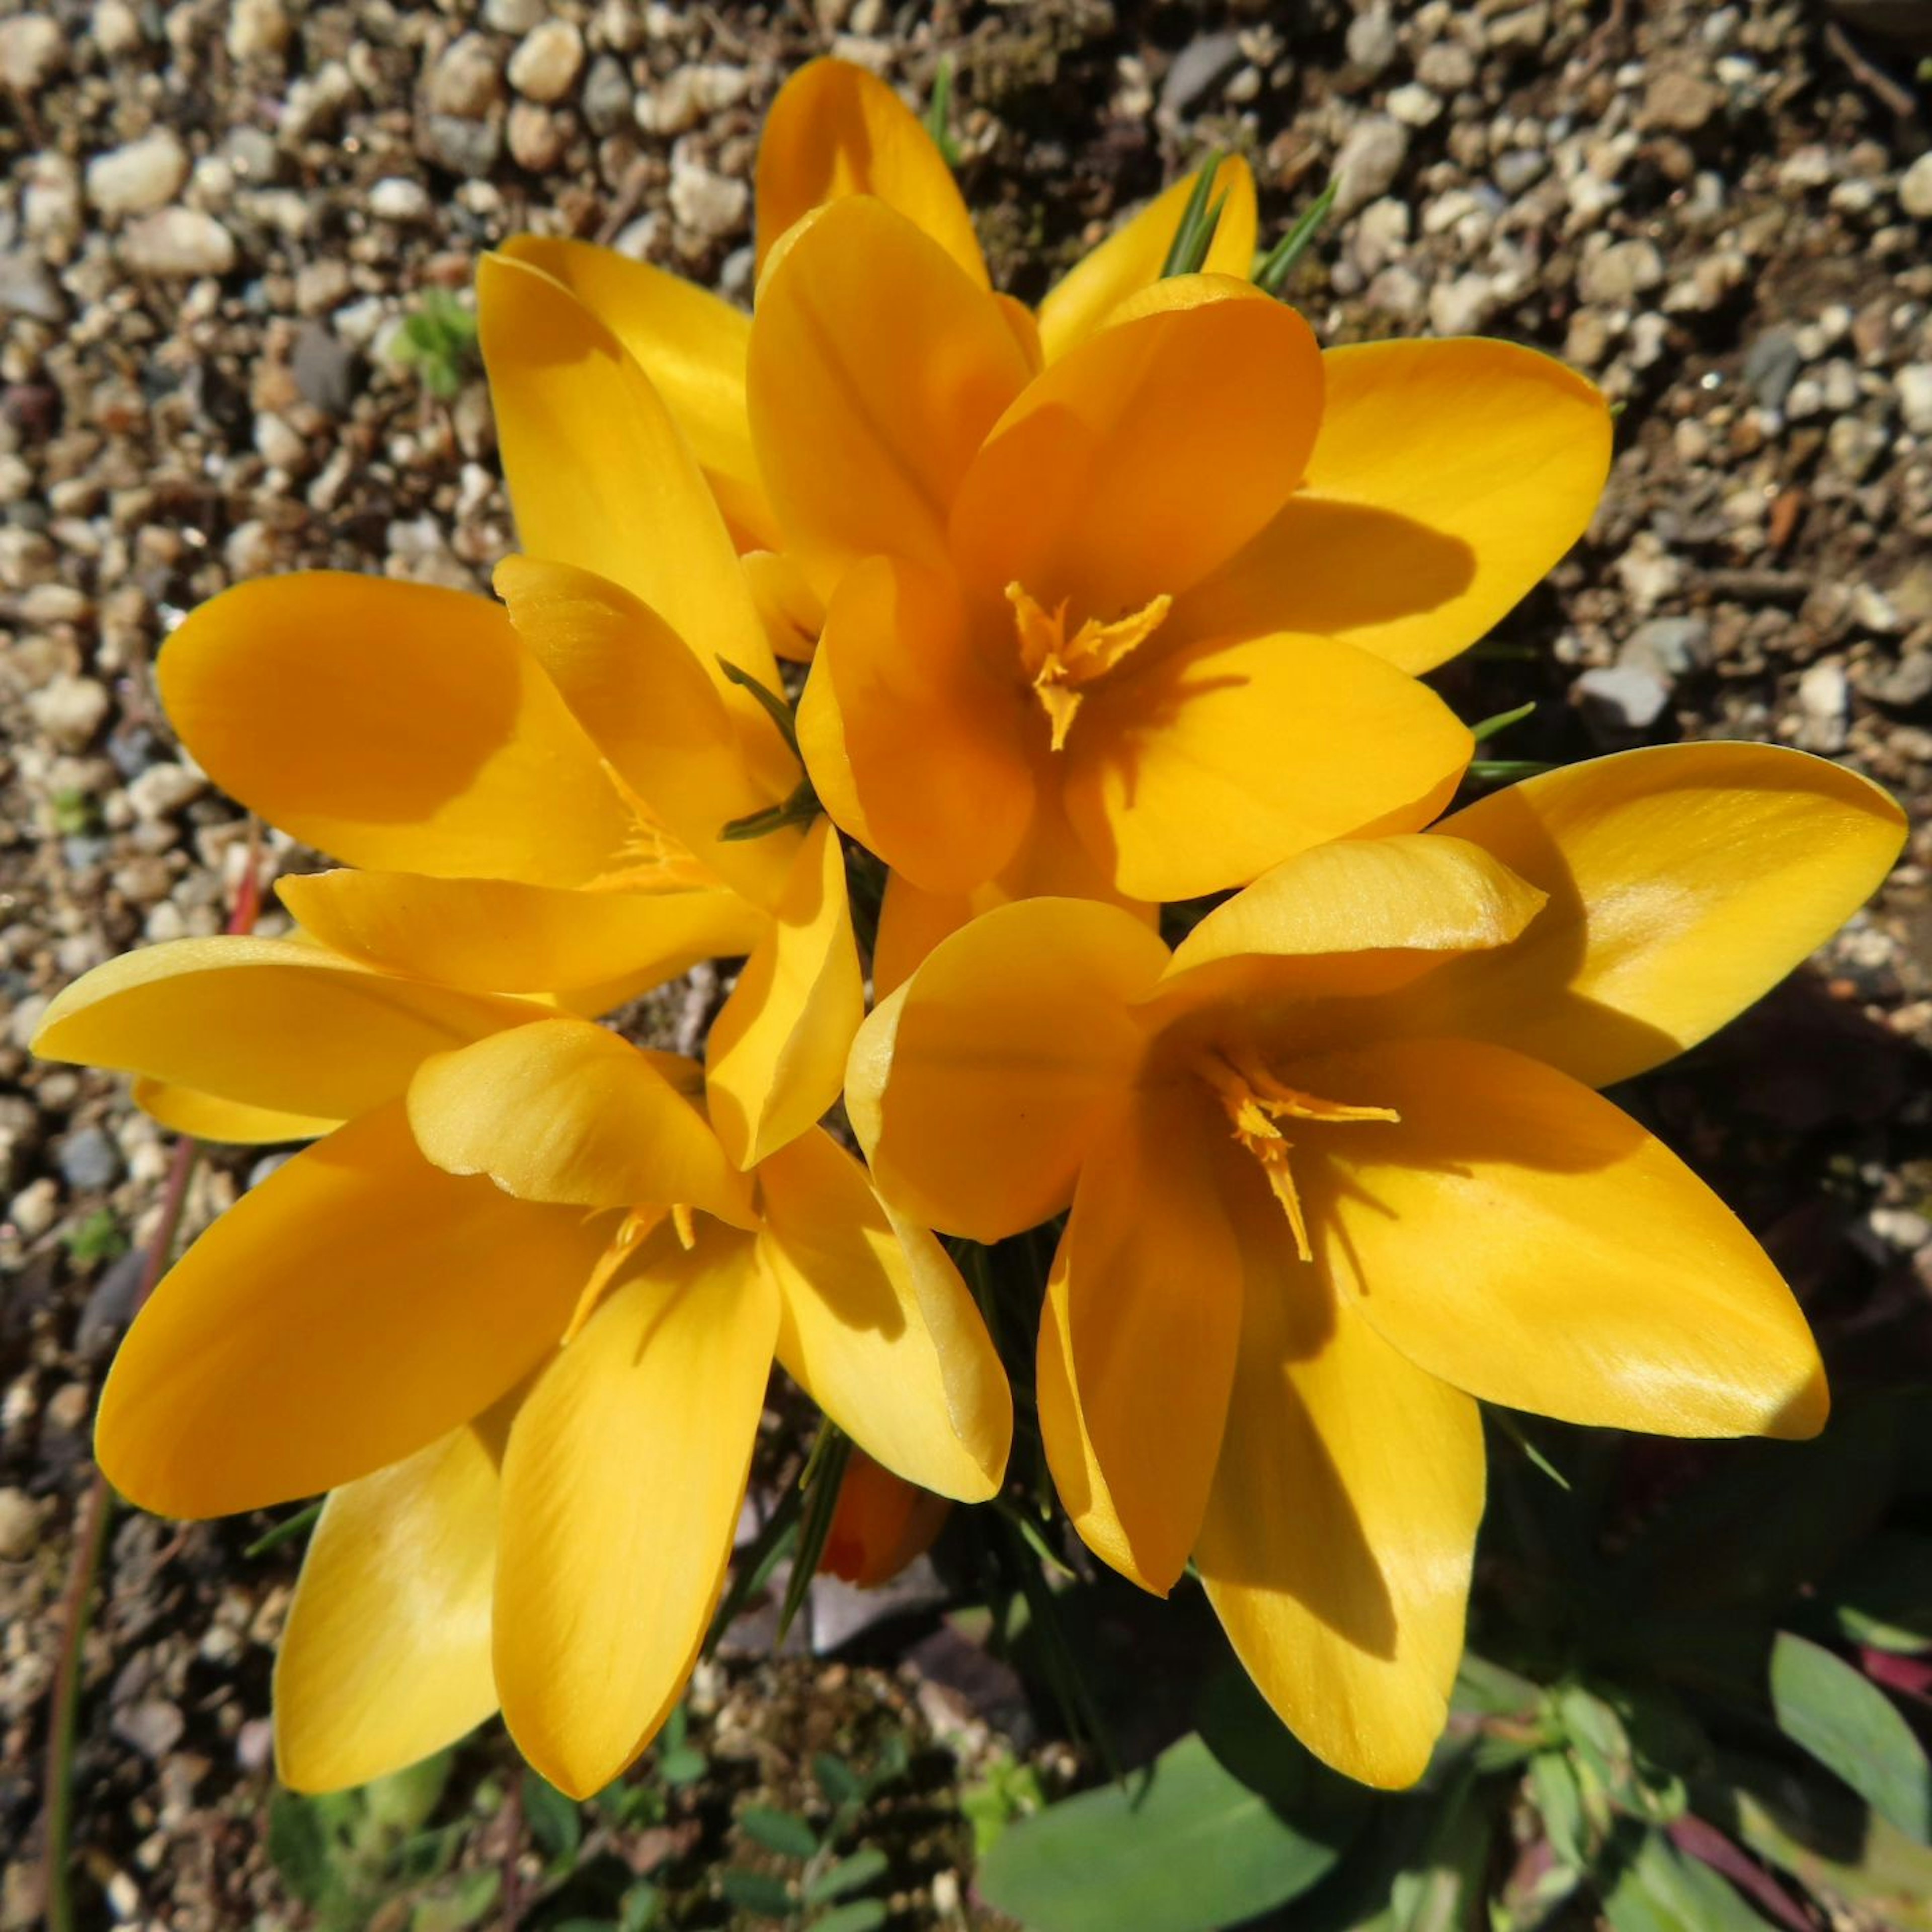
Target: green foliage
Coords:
[[1882, 1596], [438, 340], [76, 814], [1009, 1788], [1194, 235], [97, 1237], [939, 112], [1275, 269]]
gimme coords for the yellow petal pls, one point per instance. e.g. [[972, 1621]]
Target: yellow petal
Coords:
[[622, 1489], [789, 609], [1447, 479], [1148, 456], [690, 344], [271, 1023], [655, 710], [1138, 1337], [386, 1655], [393, 725], [1203, 768], [564, 1110], [356, 1306], [1136, 255], [207, 1117], [1515, 1235], [878, 1328], [976, 1089], [490, 935], [776, 1054], [877, 366], [600, 475], [835, 129], [1684, 881], [1336, 1545], [916, 747]]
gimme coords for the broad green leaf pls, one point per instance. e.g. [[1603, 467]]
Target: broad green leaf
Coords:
[[1661, 1890], [1883, 1596], [685, 1764], [840, 1783], [1852, 1728], [1443, 1892], [639, 1910], [1184, 1846], [1559, 1804], [779, 1832], [554, 1820], [300, 1847], [460, 1904], [402, 1802], [857, 1914], [755, 1892], [848, 1875]]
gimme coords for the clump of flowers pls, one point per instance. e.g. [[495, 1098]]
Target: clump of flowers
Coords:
[[1089, 611]]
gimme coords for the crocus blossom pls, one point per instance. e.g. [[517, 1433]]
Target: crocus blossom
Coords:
[[1335, 1169]]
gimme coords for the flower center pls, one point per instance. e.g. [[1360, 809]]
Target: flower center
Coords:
[[651, 859], [1060, 665], [1254, 1101], [632, 1229]]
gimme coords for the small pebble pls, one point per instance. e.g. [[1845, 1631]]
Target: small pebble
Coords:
[[88, 1160], [179, 241], [144, 175], [19, 1526], [546, 64]]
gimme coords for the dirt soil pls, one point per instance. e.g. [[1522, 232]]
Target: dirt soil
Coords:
[[215, 216]]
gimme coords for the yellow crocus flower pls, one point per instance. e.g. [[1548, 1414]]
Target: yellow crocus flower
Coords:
[[1336, 1170]]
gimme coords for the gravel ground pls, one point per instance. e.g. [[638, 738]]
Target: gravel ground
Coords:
[[214, 217]]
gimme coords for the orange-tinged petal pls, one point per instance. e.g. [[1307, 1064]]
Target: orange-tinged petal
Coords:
[[1138, 1337], [1447, 479], [690, 344], [1336, 1546], [877, 1326], [1203, 768], [880, 1524], [1134, 256], [564, 1110], [694, 760], [1517, 1235], [776, 1054], [386, 1655], [621, 1488], [792, 612], [208, 1117], [1147, 456], [1684, 881], [271, 1023], [394, 725], [835, 129], [486, 935], [976, 1089], [600, 475], [916, 748], [877, 367], [356, 1306]]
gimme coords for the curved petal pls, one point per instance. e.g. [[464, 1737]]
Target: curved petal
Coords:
[[655, 711], [356, 1306], [207, 1117], [881, 1523], [1684, 881], [599, 474], [564, 1110], [1448, 478], [1515, 1235], [1204, 767], [1137, 1338], [976, 1089], [1135, 257], [1148, 456], [395, 725], [914, 746], [775, 1054], [484, 935], [691, 345], [877, 1327], [621, 1488], [792, 612], [877, 366], [835, 129], [270, 1023], [1336, 1546], [386, 1655]]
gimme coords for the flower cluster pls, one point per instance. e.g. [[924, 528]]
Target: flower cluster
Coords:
[[1097, 609]]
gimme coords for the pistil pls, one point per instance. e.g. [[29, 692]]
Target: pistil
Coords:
[[1059, 665]]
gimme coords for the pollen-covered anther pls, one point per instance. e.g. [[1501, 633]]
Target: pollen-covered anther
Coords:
[[632, 1229], [1060, 665], [1254, 1100]]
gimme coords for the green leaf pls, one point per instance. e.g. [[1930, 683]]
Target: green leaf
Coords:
[[289, 1526], [684, 1764], [300, 1847], [1554, 1791], [939, 112], [1853, 1729], [1272, 272], [824, 1472], [554, 1820], [459, 1904], [1194, 235], [639, 1910], [779, 1832], [1184, 1846], [755, 1892], [1442, 1893], [1883, 1596], [1661, 1890], [402, 1802], [840, 1783], [860, 1914], [1500, 721], [1507, 771], [848, 1875]]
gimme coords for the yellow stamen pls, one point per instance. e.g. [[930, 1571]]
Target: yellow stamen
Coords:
[[682, 1220], [1254, 1100], [653, 859], [1059, 665], [635, 1225]]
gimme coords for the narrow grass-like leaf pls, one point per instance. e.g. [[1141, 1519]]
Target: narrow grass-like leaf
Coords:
[[1194, 235], [1502, 720], [1272, 272]]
